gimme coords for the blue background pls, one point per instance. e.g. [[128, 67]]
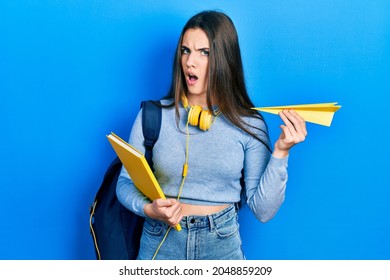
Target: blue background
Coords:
[[73, 71]]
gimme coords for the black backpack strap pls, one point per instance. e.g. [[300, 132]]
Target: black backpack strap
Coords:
[[243, 196], [151, 124]]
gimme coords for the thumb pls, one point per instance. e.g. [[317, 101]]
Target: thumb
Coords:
[[283, 133]]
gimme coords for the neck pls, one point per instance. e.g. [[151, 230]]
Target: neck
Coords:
[[198, 99]]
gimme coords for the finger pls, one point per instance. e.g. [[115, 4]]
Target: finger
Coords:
[[172, 211], [286, 120], [296, 115], [299, 120], [286, 132], [290, 130], [283, 116], [160, 202], [298, 127], [294, 120], [179, 218], [175, 217]]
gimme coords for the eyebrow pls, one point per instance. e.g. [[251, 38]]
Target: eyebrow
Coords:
[[199, 49]]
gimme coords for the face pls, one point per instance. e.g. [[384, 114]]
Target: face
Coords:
[[194, 61]]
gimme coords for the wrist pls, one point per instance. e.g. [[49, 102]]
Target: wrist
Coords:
[[148, 209], [280, 153]]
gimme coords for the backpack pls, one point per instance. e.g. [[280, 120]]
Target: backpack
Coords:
[[116, 231]]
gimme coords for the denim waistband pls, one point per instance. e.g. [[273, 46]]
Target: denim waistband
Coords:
[[209, 221]]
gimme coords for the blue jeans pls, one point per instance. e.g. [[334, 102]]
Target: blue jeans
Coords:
[[211, 237]]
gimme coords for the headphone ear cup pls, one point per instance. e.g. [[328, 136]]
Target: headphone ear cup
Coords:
[[205, 120], [193, 115]]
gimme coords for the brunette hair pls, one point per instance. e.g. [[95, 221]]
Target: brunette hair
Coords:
[[226, 83]]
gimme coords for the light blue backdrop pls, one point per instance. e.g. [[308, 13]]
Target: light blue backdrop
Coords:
[[73, 71]]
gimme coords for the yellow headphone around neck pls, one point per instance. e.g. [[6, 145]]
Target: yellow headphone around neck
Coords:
[[197, 116]]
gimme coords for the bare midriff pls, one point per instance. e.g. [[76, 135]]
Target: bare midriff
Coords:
[[201, 210]]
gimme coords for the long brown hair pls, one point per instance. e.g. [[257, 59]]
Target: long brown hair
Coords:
[[226, 75]]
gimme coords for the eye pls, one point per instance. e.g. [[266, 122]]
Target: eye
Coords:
[[185, 50], [205, 52]]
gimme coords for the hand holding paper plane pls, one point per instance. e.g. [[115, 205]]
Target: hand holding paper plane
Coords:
[[320, 113]]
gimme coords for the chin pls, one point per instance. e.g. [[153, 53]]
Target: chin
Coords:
[[196, 92]]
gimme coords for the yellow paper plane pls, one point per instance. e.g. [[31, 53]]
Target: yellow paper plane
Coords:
[[320, 113]]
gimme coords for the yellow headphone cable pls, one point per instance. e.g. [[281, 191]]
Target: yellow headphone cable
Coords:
[[184, 173]]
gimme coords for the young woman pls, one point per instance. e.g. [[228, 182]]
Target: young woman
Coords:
[[199, 166]]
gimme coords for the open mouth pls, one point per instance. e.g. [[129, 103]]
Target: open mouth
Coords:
[[192, 79]]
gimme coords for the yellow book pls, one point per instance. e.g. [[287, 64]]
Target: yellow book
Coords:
[[138, 168]]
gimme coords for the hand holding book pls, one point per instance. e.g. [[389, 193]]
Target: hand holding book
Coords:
[[138, 168]]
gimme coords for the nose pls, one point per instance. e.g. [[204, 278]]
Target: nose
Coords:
[[190, 61]]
